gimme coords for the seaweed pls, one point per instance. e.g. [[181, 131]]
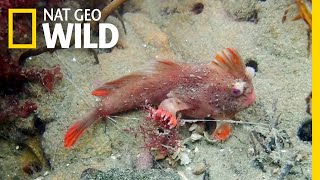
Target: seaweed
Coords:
[[13, 74], [158, 136]]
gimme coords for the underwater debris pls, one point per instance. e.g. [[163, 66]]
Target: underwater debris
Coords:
[[272, 146], [107, 11], [309, 103], [304, 12], [35, 161]]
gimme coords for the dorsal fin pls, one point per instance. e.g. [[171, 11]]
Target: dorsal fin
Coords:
[[156, 68], [230, 60], [162, 66], [108, 87]]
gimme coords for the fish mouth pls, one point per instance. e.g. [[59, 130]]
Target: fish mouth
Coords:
[[250, 99]]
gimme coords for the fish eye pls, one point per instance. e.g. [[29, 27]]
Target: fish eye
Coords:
[[238, 88], [236, 92]]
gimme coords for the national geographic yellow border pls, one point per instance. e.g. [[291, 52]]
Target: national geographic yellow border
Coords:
[[10, 29], [315, 90]]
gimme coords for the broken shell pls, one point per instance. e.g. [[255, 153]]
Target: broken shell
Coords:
[[195, 137], [199, 168], [176, 154], [184, 158], [208, 139], [193, 127]]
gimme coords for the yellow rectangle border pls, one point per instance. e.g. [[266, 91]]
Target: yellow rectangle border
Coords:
[[10, 29], [315, 90]]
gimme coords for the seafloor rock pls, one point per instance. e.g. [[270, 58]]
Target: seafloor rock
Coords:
[[150, 174]]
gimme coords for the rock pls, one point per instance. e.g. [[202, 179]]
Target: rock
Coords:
[[144, 160], [199, 168], [115, 173]]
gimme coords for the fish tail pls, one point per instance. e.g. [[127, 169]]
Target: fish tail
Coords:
[[79, 127]]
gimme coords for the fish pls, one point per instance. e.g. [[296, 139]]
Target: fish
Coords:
[[218, 90]]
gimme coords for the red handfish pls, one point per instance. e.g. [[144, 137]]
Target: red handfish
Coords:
[[216, 90]]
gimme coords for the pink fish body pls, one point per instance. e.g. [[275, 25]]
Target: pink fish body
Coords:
[[216, 90]]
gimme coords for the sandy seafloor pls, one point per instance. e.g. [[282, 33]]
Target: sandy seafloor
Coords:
[[163, 29]]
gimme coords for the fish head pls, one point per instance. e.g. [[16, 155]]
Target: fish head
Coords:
[[234, 89]]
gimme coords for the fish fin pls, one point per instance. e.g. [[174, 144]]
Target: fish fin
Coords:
[[174, 105], [162, 66], [167, 111], [109, 87], [231, 60], [157, 67], [79, 127], [222, 131]]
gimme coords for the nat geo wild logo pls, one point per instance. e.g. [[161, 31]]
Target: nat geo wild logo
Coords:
[[65, 36]]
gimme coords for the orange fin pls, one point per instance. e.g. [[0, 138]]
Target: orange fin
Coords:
[[222, 132], [73, 134], [100, 92], [230, 60], [108, 87], [79, 127]]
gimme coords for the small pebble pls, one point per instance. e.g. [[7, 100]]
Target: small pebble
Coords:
[[251, 151], [195, 137], [46, 173], [196, 149], [199, 168]]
